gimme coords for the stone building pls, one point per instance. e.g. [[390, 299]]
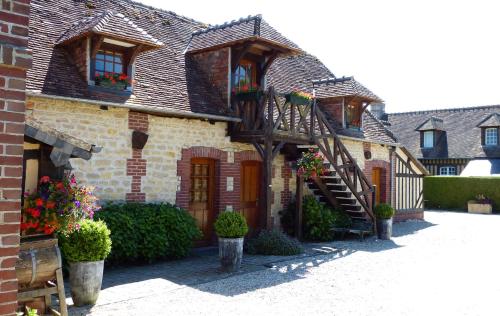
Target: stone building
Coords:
[[147, 106]]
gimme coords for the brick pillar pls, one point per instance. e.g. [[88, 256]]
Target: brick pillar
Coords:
[[136, 166], [15, 60]]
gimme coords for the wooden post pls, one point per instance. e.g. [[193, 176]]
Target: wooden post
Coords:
[[299, 196], [268, 176]]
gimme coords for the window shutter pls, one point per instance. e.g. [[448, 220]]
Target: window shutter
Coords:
[[422, 139], [483, 138]]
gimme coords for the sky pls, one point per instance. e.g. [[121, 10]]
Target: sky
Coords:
[[415, 55]]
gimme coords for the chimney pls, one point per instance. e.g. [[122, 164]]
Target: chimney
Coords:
[[378, 110]]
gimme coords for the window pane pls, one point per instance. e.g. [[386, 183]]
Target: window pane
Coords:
[[491, 136], [428, 139], [99, 56], [99, 65], [118, 59], [118, 68], [109, 67], [109, 57]]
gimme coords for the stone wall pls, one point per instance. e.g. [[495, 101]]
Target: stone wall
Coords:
[[160, 171], [15, 59]]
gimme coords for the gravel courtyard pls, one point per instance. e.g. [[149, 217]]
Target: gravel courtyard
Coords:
[[445, 265]]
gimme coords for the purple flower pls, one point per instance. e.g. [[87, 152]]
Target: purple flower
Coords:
[[77, 203]]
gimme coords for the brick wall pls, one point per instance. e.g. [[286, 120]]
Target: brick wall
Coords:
[[215, 67], [78, 54], [137, 166], [15, 59]]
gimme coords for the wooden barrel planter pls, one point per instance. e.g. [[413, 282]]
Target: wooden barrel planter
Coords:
[[39, 272]]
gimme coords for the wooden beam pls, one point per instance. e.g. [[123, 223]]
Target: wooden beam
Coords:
[[237, 58], [96, 45], [277, 149], [268, 175], [268, 64], [134, 53]]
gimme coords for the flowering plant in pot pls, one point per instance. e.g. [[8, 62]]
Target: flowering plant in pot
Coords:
[[481, 205], [111, 80], [231, 227], [85, 249], [299, 97], [311, 164], [384, 214], [247, 92], [57, 206]]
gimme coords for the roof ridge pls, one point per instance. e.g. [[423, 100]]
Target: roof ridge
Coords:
[[257, 17], [149, 7], [333, 80], [458, 109]]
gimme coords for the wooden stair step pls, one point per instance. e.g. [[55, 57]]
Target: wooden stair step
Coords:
[[352, 207], [345, 194]]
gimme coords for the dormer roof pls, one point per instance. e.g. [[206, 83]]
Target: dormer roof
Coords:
[[343, 87], [433, 123], [110, 24], [491, 121], [252, 28]]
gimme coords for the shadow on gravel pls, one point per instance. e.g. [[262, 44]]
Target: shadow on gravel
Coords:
[[281, 272], [409, 227]]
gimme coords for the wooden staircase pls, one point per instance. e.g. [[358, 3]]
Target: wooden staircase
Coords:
[[271, 122]]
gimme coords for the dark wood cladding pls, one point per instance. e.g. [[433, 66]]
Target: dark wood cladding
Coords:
[[433, 165]]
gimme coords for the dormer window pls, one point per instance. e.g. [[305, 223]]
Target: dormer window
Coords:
[[353, 112], [428, 139], [245, 76], [491, 136], [108, 62]]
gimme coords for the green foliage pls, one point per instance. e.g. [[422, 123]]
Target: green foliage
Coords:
[[318, 220], [383, 211], [341, 219], [146, 232], [310, 164], [274, 243], [453, 192], [287, 218], [231, 225], [89, 243]]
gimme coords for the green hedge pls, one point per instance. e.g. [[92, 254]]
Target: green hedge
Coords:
[[146, 232], [453, 192]]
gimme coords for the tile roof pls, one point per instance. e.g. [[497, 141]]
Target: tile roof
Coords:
[[112, 24], [164, 77], [492, 121], [235, 31], [343, 87], [433, 123], [461, 136]]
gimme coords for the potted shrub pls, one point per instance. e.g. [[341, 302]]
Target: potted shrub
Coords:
[[111, 80], [481, 205], [85, 250], [247, 92], [311, 164], [231, 227], [384, 214]]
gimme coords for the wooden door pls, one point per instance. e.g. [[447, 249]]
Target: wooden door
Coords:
[[202, 194], [250, 190], [376, 173]]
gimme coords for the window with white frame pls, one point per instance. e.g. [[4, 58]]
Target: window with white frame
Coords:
[[447, 171], [491, 136], [428, 139]]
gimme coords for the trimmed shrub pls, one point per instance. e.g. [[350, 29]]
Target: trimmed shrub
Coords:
[[318, 220], [287, 218], [273, 243], [231, 225], [341, 219], [453, 192], [89, 243], [146, 232], [383, 211]]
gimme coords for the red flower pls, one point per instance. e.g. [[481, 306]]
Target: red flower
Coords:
[[60, 186], [44, 179], [39, 202], [254, 86], [48, 230], [244, 88], [97, 75], [24, 226], [50, 205], [35, 213]]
